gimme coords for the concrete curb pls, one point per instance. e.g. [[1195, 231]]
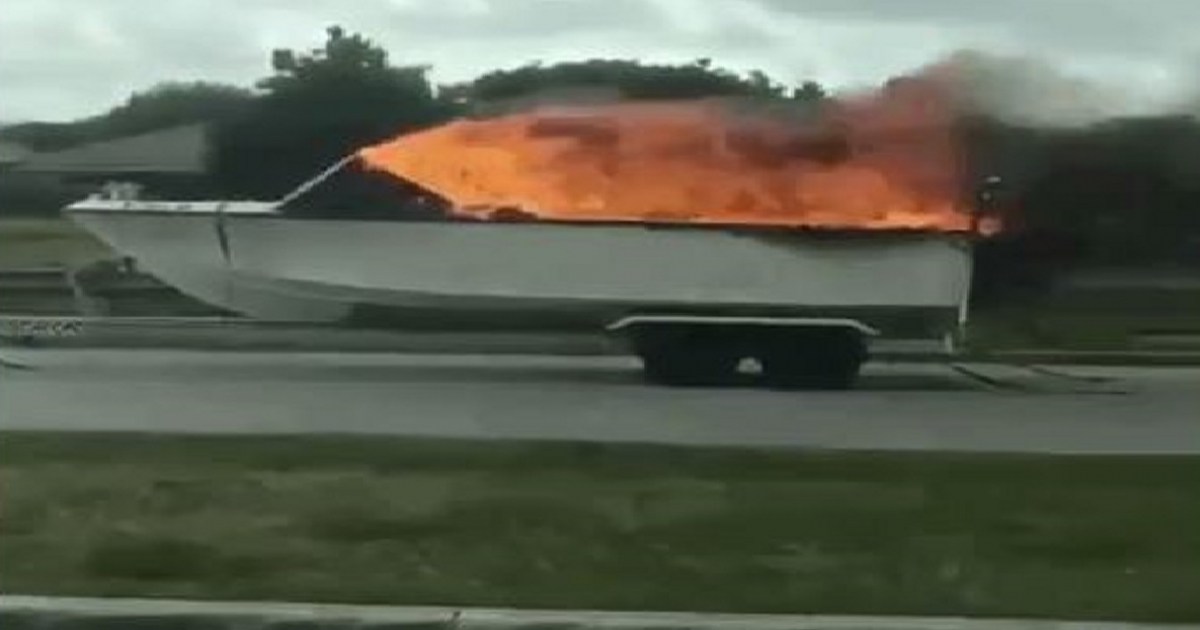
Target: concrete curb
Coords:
[[48, 613]]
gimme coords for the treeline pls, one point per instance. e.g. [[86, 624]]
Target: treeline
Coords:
[[1117, 192]]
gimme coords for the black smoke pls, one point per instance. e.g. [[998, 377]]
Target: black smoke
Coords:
[[1121, 192]]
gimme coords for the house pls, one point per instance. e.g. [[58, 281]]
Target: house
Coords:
[[12, 154], [172, 162]]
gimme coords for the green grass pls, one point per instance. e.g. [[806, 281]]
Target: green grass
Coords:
[[1033, 328], [1075, 329], [375, 520], [26, 243]]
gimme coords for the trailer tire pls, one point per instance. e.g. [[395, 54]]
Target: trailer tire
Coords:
[[689, 361], [813, 360]]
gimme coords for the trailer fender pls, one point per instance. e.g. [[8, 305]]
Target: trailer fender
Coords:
[[627, 324]]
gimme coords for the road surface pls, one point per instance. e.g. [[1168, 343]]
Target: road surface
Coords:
[[898, 407]]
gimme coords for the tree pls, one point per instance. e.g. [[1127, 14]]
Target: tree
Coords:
[[623, 78], [319, 106], [809, 91], [170, 104]]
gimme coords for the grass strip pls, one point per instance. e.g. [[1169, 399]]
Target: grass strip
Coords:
[[564, 525]]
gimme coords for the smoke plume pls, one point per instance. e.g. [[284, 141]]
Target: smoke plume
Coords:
[[1031, 92]]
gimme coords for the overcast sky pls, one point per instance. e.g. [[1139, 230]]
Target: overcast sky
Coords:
[[66, 58]]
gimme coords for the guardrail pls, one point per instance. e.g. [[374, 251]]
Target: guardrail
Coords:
[[220, 333], [24, 279], [39, 273], [231, 333], [64, 292]]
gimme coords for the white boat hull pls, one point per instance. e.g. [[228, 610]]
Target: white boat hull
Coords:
[[248, 259]]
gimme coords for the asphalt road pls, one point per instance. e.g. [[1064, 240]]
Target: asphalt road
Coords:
[[902, 407]]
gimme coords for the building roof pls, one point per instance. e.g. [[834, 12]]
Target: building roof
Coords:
[[12, 153], [177, 150]]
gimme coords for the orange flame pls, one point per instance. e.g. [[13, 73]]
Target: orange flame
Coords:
[[885, 161]]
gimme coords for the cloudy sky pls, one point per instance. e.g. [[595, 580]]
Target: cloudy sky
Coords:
[[67, 58]]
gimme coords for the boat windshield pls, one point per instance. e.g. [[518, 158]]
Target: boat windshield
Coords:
[[348, 190]]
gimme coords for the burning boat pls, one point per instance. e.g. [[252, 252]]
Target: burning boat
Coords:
[[706, 240]]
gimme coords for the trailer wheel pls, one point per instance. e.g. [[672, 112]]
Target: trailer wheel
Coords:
[[812, 360], [681, 368], [688, 359]]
